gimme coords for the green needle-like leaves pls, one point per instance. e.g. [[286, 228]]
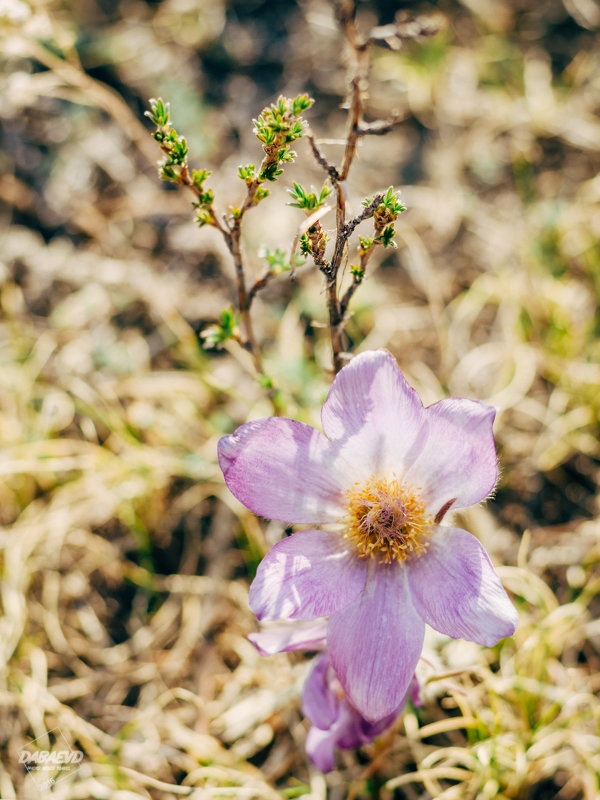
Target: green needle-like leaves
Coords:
[[308, 201]]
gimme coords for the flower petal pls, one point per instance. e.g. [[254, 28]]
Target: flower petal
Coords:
[[320, 746], [457, 591], [282, 469], [371, 730], [375, 643], [281, 637], [319, 701], [306, 575], [373, 415], [350, 728], [457, 463], [325, 705]]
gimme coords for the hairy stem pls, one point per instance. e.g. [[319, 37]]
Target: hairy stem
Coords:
[[337, 307], [233, 240], [232, 234]]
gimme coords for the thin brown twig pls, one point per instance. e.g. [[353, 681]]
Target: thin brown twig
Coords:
[[393, 35], [320, 158], [233, 236], [357, 279], [355, 118], [231, 232], [345, 10], [233, 239], [356, 127], [366, 213], [358, 275], [379, 127], [185, 179], [259, 284]]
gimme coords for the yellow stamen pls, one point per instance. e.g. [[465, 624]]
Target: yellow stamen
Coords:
[[387, 520]]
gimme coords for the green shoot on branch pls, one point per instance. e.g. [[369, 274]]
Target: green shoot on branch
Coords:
[[308, 202], [226, 329], [277, 127], [278, 260]]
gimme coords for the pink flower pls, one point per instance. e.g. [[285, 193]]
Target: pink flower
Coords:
[[283, 636], [335, 722], [381, 478]]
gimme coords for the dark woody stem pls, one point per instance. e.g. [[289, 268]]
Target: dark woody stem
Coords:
[[365, 256], [366, 213], [259, 283], [356, 128], [233, 239], [231, 230], [337, 307]]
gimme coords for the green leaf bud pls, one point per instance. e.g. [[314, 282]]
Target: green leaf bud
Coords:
[[247, 173], [260, 194], [203, 217], [199, 176], [387, 237], [226, 328], [309, 202], [305, 246], [365, 244], [159, 112], [167, 173], [270, 172]]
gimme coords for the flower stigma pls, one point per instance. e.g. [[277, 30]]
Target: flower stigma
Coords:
[[387, 520]]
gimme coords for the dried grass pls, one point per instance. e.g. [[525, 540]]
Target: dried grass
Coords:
[[124, 561]]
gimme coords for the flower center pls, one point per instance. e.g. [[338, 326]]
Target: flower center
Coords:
[[386, 519]]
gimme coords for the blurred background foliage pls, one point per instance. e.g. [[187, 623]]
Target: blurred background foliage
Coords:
[[124, 561]]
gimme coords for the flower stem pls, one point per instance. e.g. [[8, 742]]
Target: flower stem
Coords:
[[231, 230], [383, 208], [337, 307]]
